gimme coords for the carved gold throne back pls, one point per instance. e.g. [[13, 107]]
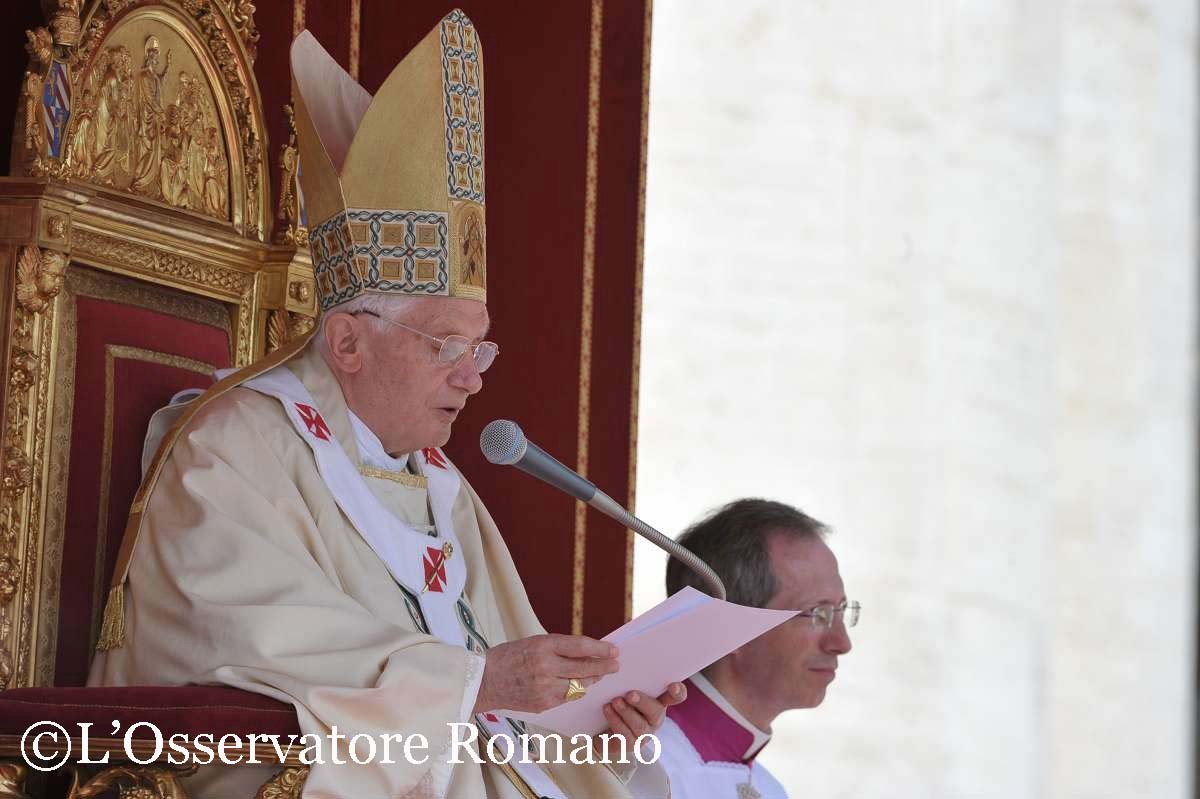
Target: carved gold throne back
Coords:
[[133, 262]]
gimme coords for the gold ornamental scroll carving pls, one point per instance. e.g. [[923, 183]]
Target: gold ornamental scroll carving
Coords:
[[39, 280], [156, 99], [287, 784], [284, 326], [12, 781], [290, 214]]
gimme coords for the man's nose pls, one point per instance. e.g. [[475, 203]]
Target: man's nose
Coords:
[[465, 374], [836, 640]]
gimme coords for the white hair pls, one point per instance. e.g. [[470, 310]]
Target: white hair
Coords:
[[389, 306]]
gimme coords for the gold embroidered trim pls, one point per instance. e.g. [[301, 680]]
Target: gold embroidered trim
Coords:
[[637, 306], [585, 346], [403, 478]]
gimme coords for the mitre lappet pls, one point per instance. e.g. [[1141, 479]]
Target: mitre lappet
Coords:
[[393, 184]]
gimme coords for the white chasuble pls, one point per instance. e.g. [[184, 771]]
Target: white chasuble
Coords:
[[248, 572]]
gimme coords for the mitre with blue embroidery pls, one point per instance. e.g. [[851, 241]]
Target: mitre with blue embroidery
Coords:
[[393, 184]]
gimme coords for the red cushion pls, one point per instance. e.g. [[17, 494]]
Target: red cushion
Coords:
[[186, 709]]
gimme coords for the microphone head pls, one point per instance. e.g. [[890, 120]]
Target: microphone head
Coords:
[[503, 442]]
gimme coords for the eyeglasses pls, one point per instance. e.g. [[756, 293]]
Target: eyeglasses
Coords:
[[452, 348], [823, 615]]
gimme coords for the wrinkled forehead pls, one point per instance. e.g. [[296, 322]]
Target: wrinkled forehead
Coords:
[[450, 315]]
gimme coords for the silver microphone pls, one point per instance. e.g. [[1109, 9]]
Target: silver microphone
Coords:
[[504, 443]]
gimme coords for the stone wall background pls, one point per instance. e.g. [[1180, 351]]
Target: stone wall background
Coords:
[[927, 270]]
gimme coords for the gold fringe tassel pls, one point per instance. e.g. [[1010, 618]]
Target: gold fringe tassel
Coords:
[[112, 631]]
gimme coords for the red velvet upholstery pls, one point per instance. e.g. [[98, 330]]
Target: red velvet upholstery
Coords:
[[127, 351], [187, 709]]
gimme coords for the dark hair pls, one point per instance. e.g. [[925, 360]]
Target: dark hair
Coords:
[[733, 541]]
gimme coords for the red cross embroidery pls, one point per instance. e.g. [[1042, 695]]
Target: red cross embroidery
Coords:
[[313, 421], [434, 458], [435, 569]]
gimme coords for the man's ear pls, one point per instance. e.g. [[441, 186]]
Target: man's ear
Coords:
[[343, 334]]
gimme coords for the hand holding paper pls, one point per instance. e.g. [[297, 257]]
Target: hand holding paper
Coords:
[[666, 644]]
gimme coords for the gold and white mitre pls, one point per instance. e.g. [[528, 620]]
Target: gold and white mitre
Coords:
[[393, 185]]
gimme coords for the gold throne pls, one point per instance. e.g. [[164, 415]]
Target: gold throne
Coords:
[[133, 262]]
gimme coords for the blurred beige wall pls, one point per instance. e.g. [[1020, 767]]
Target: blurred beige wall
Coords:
[[927, 270]]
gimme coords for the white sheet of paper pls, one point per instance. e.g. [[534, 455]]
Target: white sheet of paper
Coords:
[[666, 644]]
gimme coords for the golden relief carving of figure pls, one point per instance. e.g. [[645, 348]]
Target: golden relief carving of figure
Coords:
[[108, 160], [216, 176], [149, 109], [40, 275], [130, 136]]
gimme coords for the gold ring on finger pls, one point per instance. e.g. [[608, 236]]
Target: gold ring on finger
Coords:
[[575, 690]]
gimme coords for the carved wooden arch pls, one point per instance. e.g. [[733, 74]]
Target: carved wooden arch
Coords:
[[160, 101]]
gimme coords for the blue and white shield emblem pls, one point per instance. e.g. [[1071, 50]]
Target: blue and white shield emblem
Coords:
[[56, 106]]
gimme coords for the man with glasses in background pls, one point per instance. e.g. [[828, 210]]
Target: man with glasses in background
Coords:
[[769, 555]]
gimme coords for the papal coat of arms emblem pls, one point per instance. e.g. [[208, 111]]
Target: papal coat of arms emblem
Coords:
[[56, 106]]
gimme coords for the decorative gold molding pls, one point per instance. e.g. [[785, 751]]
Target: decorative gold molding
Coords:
[[31, 124], [7, 661], [22, 448], [86, 282], [287, 784], [300, 290], [587, 308], [288, 214], [49, 579], [133, 782], [284, 326], [113, 252], [245, 336], [241, 13], [12, 781]]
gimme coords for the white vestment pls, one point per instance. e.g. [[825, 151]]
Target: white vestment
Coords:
[[247, 573]]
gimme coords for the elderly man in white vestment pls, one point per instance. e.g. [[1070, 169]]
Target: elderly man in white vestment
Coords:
[[299, 533]]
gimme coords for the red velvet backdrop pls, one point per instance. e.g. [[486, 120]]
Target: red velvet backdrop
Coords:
[[567, 372]]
